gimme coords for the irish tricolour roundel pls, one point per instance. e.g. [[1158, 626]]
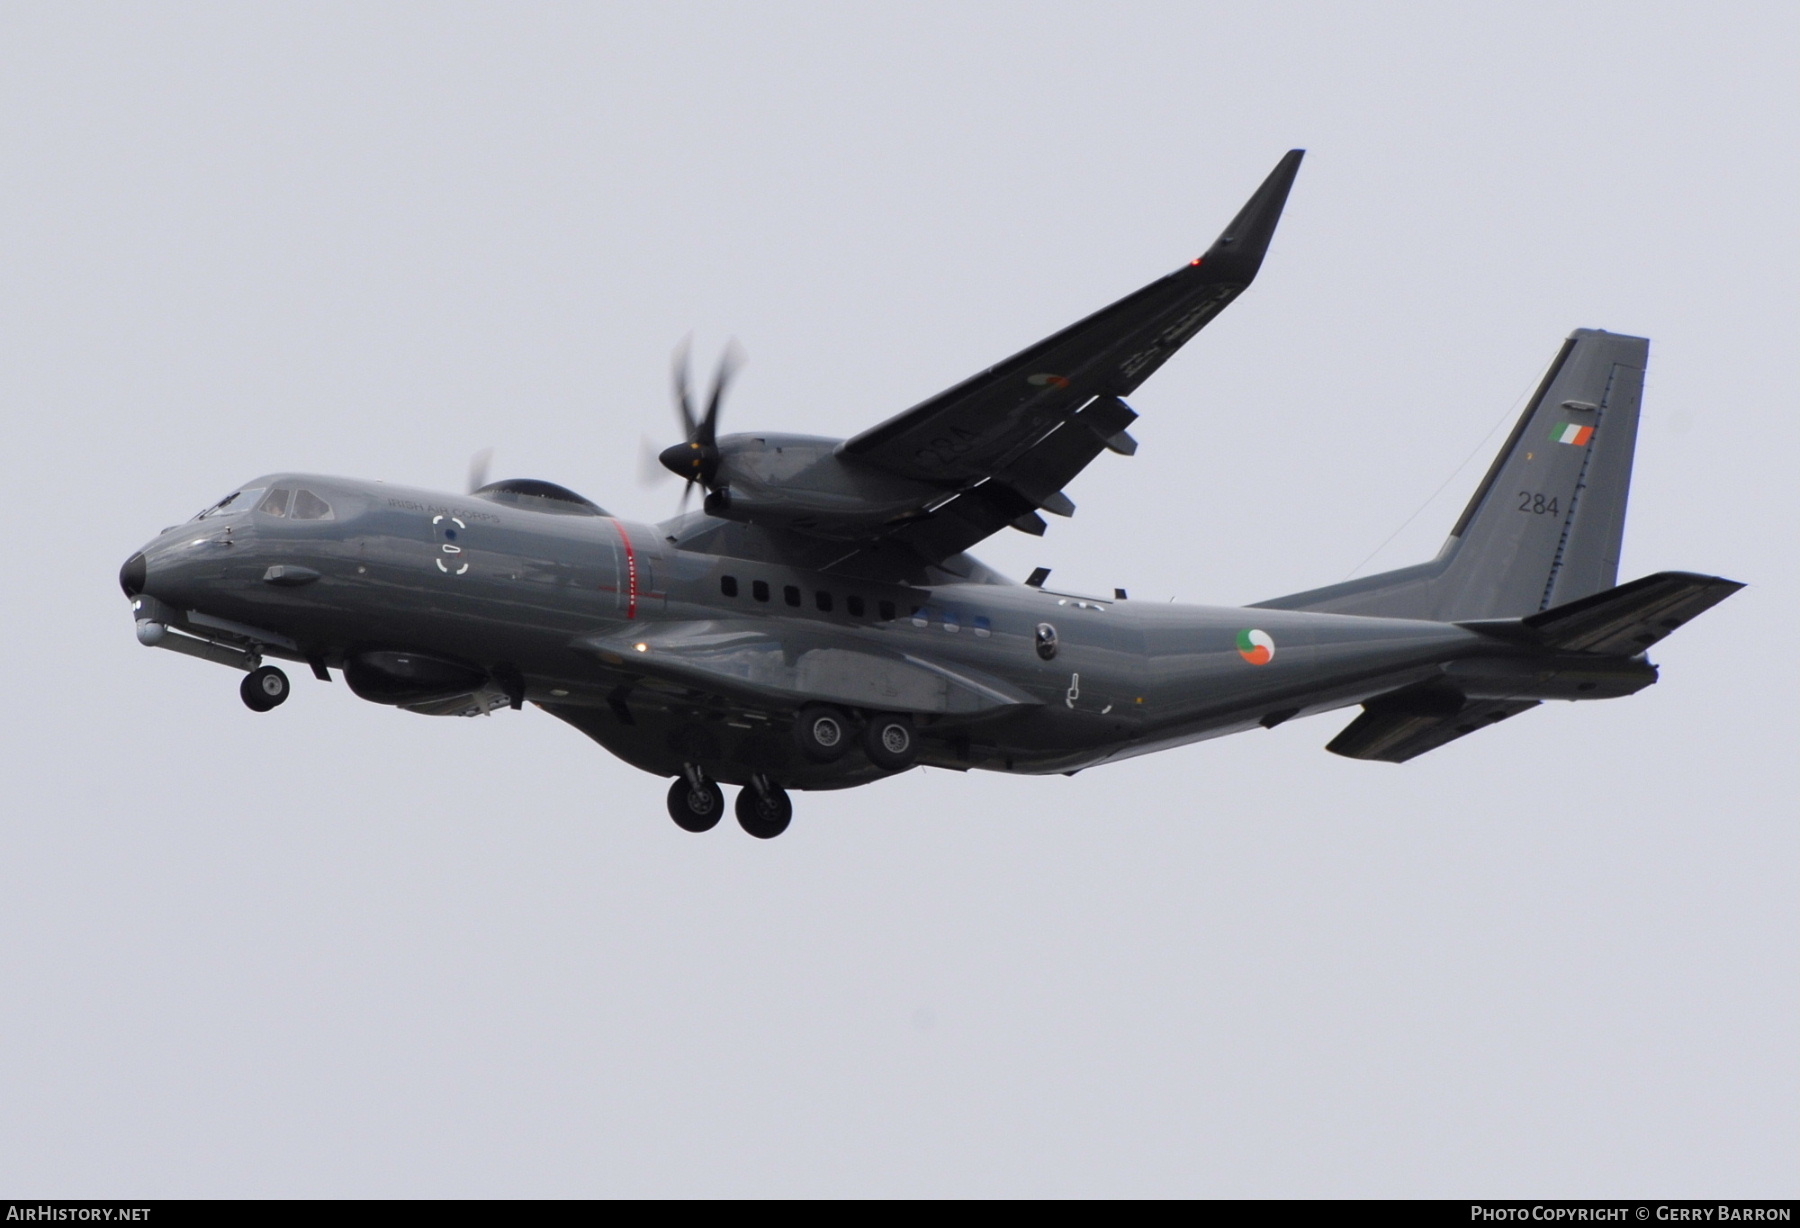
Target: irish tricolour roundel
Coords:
[[1256, 647]]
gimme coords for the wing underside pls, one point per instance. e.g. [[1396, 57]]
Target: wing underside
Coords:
[[1002, 444]]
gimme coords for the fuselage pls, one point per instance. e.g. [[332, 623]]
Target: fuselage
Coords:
[[531, 597]]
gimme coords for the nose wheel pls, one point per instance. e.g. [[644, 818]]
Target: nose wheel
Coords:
[[764, 810], [264, 688]]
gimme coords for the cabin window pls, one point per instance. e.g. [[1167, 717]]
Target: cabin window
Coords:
[[822, 599], [728, 585], [308, 506], [759, 589], [854, 604], [791, 594], [887, 611], [983, 628]]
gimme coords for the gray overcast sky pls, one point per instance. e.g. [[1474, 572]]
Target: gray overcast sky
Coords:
[[343, 950]]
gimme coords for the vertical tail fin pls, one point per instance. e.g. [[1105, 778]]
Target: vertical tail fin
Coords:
[[1546, 523]]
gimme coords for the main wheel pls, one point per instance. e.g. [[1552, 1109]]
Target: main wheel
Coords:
[[263, 688], [822, 733], [890, 742], [764, 817], [696, 809]]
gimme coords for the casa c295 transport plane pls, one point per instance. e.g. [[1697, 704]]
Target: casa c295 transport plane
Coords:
[[818, 624]]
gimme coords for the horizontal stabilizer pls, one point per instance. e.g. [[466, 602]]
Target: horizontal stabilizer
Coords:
[[1618, 624], [1624, 620], [1406, 725]]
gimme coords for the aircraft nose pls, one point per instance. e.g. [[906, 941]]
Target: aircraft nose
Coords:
[[133, 575]]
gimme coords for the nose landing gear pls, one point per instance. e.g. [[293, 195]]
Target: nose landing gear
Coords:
[[263, 688]]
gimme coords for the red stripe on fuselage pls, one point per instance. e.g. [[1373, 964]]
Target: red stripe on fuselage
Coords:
[[630, 571]]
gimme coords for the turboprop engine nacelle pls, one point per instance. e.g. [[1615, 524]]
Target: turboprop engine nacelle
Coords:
[[802, 482]]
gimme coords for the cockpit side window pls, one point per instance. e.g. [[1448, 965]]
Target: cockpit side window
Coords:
[[308, 506], [277, 502]]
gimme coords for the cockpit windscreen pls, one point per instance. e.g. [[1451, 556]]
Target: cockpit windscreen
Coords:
[[236, 501]]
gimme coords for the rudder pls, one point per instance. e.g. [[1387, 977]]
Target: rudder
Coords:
[[1546, 524]]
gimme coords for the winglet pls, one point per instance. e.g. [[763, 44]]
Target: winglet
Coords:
[[1238, 253]]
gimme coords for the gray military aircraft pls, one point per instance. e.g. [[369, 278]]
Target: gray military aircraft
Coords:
[[817, 624]]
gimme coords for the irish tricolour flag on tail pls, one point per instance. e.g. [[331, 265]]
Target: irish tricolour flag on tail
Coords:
[[1570, 432]]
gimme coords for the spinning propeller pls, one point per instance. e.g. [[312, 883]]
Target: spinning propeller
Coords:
[[697, 460], [478, 469]]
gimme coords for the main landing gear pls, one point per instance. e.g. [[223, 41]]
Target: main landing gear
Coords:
[[823, 734], [263, 688], [697, 804], [763, 809], [890, 742]]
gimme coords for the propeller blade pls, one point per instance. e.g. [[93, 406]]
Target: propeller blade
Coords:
[[687, 488], [684, 406], [696, 458], [651, 470], [729, 362], [478, 469]]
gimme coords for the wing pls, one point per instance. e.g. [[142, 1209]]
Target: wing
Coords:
[[1008, 440]]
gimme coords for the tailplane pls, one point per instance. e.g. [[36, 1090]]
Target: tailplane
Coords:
[[1588, 647], [1546, 523], [1621, 621]]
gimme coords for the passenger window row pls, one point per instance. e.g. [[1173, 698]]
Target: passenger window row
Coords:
[[823, 600]]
